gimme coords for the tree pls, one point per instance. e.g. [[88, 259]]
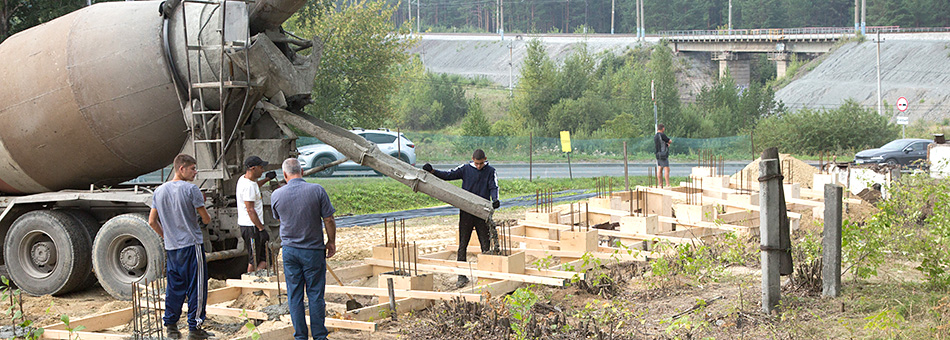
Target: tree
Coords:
[[18, 15], [534, 97], [475, 123], [361, 51]]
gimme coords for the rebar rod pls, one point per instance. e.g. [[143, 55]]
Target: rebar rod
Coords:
[[587, 210], [572, 216]]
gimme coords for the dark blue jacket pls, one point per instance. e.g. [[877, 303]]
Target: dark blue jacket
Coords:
[[482, 182]]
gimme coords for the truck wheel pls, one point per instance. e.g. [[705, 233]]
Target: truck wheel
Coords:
[[321, 161], [91, 226], [47, 252], [127, 250]]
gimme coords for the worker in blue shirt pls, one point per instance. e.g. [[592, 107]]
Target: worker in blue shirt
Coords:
[[305, 211], [478, 178]]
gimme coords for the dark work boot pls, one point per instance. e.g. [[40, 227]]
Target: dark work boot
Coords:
[[463, 280], [199, 334], [171, 331]]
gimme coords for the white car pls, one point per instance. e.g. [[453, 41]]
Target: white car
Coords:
[[318, 154]]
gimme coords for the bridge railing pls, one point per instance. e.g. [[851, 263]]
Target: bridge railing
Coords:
[[799, 31]]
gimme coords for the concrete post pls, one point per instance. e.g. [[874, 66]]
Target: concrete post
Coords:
[[781, 63], [831, 242], [736, 65], [769, 217]]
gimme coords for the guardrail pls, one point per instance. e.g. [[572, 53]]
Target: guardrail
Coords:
[[800, 31]]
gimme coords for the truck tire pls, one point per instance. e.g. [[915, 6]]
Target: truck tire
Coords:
[[47, 252], [91, 226], [127, 250]]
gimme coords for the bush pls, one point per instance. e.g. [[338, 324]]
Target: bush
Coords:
[[846, 128]]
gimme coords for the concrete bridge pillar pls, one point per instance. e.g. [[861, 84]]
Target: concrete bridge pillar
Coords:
[[781, 63], [737, 65]]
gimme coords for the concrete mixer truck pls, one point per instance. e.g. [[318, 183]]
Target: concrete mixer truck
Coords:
[[117, 89]]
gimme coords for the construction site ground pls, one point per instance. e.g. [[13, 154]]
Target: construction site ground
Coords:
[[633, 301]]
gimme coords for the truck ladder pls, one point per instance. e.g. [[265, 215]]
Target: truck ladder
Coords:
[[208, 135]]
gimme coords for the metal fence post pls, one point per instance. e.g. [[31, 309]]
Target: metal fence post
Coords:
[[831, 242]]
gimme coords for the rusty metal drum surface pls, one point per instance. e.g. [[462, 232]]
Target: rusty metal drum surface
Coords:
[[87, 99]]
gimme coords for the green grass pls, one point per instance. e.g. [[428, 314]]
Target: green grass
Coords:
[[362, 195]]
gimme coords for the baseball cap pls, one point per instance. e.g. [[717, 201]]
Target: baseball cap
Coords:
[[254, 161]]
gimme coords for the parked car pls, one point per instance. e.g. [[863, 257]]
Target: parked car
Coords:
[[905, 152], [318, 154]]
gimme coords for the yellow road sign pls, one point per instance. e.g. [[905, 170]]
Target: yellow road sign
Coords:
[[566, 141]]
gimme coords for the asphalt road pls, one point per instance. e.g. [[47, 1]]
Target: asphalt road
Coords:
[[579, 170]]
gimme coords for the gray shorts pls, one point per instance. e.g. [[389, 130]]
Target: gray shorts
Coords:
[[663, 162]]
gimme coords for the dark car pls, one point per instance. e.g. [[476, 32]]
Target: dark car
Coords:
[[902, 151]]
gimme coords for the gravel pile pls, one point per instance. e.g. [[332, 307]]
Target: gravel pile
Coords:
[[794, 170]]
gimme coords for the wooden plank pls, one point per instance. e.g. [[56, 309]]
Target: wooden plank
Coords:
[[478, 273], [236, 312], [371, 291], [528, 271], [353, 325], [602, 232], [728, 203], [285, 332], [376, 312], [123, 316], [65, 335], [352, 273], [542, 253], [97, 322]]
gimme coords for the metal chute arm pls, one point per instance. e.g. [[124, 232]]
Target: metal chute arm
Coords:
[[362, 151]]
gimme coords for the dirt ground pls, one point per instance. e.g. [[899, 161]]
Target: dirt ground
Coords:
[[643, 305], [354, 244]]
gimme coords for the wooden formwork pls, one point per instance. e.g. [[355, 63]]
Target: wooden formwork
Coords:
[[643, 216]]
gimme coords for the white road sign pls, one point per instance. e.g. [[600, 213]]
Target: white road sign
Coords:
[[902, 104], [902, 120]]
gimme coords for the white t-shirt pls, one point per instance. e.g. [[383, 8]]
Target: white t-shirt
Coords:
[[247, 191]]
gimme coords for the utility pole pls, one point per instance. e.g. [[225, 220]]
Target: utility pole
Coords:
[[511, 87], [612, 16], [857, 25], [639, 20], [880, 104], [410, 16], [656, 119], [637, 6], [730, 16], [418, 18], [643, 26], [501, 23], [864, 16]]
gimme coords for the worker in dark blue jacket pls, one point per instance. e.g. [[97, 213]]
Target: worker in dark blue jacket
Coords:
[[478, 178]]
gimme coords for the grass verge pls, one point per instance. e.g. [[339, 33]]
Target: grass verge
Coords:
[[362, 195]]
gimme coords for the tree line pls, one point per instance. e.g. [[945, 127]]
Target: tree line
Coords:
[[573, 16], [570, 16]]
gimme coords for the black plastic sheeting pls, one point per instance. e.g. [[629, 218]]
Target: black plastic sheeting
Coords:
[[523, 201]]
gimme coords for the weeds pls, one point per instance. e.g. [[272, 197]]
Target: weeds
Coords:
[[519, 305], [21, 326]]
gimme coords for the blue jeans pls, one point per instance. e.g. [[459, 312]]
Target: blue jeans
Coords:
[[306, 270]]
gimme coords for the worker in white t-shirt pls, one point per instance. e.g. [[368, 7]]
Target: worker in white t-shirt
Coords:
[[251, 212]]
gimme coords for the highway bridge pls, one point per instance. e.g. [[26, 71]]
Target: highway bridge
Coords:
[[731, 48]]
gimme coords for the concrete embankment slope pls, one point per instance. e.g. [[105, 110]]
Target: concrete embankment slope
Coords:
[[475, 55], [487, 56], [911, 67]]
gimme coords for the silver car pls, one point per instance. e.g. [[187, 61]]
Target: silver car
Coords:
[[318, 154]]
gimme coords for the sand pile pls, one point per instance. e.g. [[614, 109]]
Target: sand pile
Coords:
[[794, 170]]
